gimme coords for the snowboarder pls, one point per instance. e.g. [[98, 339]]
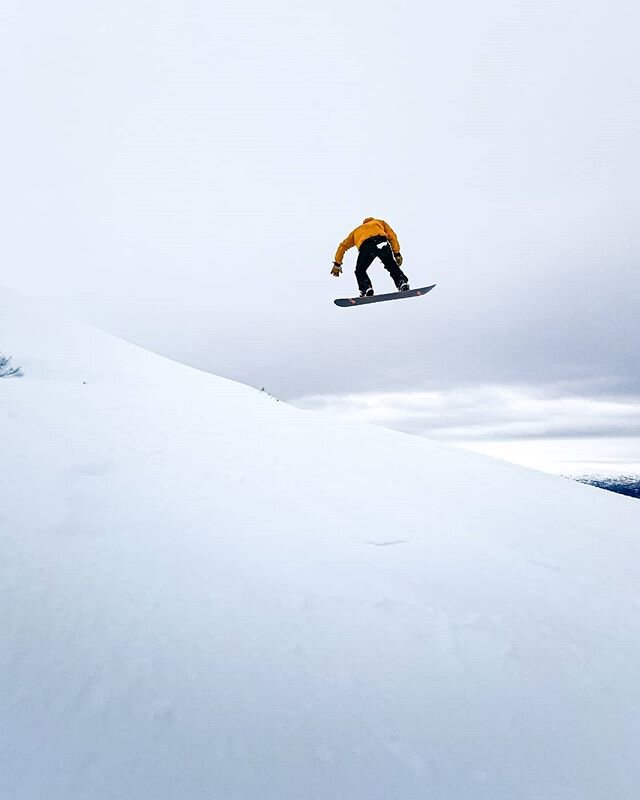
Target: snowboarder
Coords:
[[374, 239]]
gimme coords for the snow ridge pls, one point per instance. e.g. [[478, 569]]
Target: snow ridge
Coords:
[[206, 594]]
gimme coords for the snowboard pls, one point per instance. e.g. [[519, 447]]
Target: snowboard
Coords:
[[379, 298]]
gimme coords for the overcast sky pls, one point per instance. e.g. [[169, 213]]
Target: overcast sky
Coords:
[[180, 173]]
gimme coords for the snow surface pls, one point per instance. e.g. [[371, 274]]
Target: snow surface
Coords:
[[205, 593]]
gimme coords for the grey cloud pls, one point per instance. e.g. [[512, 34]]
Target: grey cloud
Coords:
[[491, 413]]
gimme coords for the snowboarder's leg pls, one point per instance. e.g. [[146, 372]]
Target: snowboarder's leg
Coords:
[[365, 257], [385, 254]]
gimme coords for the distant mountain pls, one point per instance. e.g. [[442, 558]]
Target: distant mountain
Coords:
[[628, 485], [208, 594]]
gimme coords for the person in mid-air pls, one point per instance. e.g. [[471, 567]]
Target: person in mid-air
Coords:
[[374, 239]]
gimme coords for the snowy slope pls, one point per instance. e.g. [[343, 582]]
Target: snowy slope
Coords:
[[208, 594]]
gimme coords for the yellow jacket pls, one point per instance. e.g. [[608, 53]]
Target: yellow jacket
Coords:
[[370, 227]]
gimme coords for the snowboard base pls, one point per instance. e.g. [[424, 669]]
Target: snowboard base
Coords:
[[380, 298]]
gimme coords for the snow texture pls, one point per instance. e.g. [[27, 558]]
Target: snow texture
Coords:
[[206, 594]]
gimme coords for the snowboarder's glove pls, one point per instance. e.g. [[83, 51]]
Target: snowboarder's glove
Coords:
[[398, 258], [336, 269]]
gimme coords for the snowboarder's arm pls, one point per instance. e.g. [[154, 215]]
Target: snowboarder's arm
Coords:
[[343, 247], [393, 239]]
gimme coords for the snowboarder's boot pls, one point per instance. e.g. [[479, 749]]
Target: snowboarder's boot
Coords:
[[401, 281], [367, 292]]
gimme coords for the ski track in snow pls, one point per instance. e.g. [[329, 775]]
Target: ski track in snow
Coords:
[[389, 543]]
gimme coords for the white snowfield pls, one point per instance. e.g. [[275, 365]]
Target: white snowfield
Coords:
[[209, 595]]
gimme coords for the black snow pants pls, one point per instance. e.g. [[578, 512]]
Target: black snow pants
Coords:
[[377, 247]]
